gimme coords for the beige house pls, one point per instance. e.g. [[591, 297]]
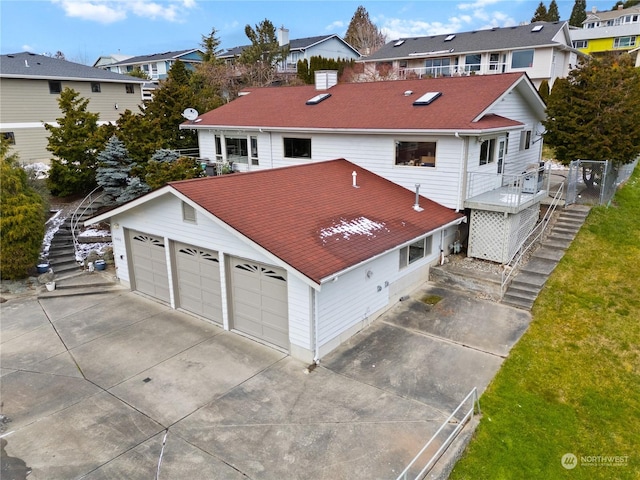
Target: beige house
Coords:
[[30, 86]]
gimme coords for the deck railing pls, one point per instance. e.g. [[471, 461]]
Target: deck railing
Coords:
[[512, 190]]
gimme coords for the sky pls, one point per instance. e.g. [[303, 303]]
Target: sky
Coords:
[[86, 29]]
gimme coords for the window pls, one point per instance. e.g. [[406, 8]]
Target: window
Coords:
[[623, 42], [525, 140], [129, 88], [237, 150], [188, 213], [522, 59], [414, 252], [580, 43], [254, 150], [55, 87], [95, 87], [438, 67], [297, 147], [487, 151], [416, 154], [219, 157], [9, 137], [494, 60], [472, 63]]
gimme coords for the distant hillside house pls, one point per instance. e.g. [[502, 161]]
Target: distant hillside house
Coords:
[[326, 46], [30, 86], [542, 50], [157, 65], [615, 31]]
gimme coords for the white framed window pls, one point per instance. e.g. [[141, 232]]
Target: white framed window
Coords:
[[55, 87], [95, 87], [415, 251], [416, 154], [487, 151], [525, 140], [580, 43], [624, 42], [254, 150], [522, 59], [297, 147]]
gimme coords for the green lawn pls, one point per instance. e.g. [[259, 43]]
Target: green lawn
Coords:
[[572, 383]]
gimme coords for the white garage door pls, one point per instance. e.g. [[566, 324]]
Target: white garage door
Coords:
[[149, 262], [198, 274], [259, 299]]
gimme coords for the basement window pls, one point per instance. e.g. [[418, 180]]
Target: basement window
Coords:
[[297, 147], [416, 251], [188, 213], [416, 154]]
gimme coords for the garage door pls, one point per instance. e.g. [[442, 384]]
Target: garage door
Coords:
[[198, 275], [259, 299], [149, 262]]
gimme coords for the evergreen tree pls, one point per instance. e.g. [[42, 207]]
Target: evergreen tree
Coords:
[[579, 13], [112, 173], [543, 90], [540, 14], [163, 114], [594, 113], [211, 46], [553, 14], [22, 218], [74, 143], [168, 166], [261, 58], [362, 34]]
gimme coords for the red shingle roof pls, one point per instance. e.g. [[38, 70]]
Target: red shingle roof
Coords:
[[373, 105], [311, 217]]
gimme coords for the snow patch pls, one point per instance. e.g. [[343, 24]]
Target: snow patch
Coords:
[[345, 229], [93, 232]]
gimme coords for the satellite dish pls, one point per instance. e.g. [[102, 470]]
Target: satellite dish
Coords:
[[190, 114]]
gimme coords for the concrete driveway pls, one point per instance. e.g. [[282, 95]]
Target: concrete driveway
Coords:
[[94, 385]]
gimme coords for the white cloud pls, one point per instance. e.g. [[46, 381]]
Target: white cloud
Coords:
[[27, 48], [110, 11], [338, 25]]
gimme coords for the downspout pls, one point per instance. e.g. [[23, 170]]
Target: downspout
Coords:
[[316, 346]]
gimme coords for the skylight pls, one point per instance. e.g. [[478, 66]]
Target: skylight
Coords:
[[537, 28], [427, 98], [398, 43], [318, 98], [450, 37]]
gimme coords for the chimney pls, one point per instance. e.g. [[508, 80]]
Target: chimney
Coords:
[[325, 79], [283, 36], [594, 9], [620, 7]]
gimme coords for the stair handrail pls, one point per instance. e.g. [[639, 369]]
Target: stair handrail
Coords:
[[509, 269], [75, 216]]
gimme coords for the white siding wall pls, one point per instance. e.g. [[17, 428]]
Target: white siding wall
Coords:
[[353, 301], [332, 48], [373, 152]]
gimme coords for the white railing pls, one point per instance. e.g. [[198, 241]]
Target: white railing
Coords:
[[514, 189], [468, 415], [85, 205], [510, 268], [452, 70]]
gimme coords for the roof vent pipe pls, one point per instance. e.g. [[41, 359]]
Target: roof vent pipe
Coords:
[[355, 176], [417, 206]]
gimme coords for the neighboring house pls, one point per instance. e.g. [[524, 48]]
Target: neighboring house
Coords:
[[105, 60], [30, 85], [611, 31], [156, 66], [300, 258], [326, 46], [542, 50], [467, 141]]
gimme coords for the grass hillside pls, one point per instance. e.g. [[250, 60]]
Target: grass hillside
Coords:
[[572, 383]]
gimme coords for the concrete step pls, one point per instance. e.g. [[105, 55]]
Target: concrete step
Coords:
[[565, 230], [87, 239], [540, 266], [66, 268], [74, 292], [555, 236], [517, 302], [573, 215], [556, 244], [554, 254], [529, 279], [523, 290]]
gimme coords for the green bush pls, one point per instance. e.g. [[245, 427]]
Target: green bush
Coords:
[[22, 218]]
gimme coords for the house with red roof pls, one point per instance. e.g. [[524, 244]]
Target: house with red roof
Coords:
[[299, 257], [472, 143]]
